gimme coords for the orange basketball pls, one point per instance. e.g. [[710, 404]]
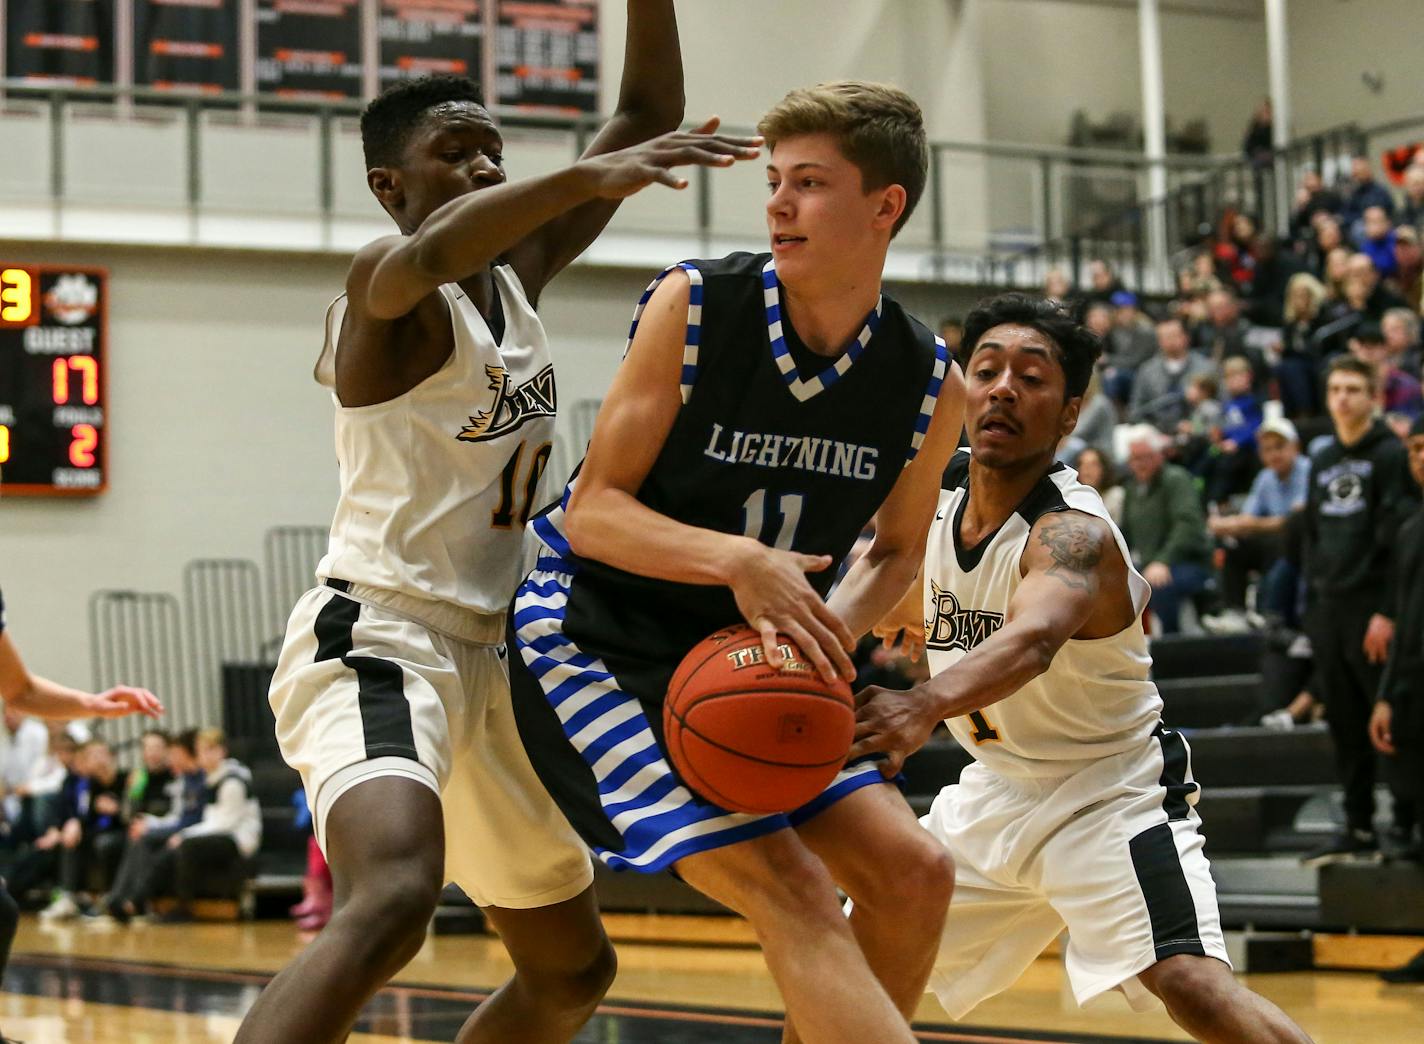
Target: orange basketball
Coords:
[[749, 737]]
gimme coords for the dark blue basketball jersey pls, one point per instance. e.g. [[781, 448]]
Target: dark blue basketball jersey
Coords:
[[773, 442]]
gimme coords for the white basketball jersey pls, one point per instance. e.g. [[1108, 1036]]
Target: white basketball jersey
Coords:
[[1096, 699], [437, 484]]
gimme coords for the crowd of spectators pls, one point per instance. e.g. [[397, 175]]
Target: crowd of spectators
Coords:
[[84, 837]]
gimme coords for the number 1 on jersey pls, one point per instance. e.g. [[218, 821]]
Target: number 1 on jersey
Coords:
[[983, 731], [754, 518]]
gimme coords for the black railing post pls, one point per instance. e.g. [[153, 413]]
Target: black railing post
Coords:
[[1075, 259], [1045, 167]]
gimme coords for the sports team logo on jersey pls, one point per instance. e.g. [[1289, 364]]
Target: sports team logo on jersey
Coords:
[[954, 627], [513, 405]]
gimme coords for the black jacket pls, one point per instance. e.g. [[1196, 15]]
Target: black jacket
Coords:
[[1403, 682], [1359, 496]]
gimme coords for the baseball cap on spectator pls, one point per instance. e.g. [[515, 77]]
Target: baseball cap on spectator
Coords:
[[1279, 426], [1124, 299], [1368, 333]]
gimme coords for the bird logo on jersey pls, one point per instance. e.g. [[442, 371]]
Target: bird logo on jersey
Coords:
[[513, 404], [954, 627]]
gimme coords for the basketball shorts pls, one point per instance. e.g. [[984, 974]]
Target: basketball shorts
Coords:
[[598, 747], [362, 691], [1112, 853]]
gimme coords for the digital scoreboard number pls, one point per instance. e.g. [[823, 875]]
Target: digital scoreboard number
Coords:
[[52, 380]]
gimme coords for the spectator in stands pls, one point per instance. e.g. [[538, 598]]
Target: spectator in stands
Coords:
[[1320, 239], [1227, 335], [1397, 393], [1165, 529], [1252, 540], [1337, 267], [1299, 367], [1274, 270], [149, 784], [149, 833], [1200, 278], [40, 796], [1095, 469], [91, 840], [1363, 192], [1233, 459], [1360, 493], [23, 743], [1411, 206], [1377, 242], [1236, 252], [1197, 435], [1379, 298], [217, 847], [951, 331], [1102, 282], [1159, 389], [1400, 327], [1096, 420], [39, 866], [1410, 259], [1057, 287], [1311, 200], [1131, 341], [1397, 725], [1258, 145]]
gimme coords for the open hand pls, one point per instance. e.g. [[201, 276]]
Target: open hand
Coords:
[[774, 596], [892, 722], [123, 700], [618, 175]]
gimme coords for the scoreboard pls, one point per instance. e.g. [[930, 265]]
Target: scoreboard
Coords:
[[53, 329]]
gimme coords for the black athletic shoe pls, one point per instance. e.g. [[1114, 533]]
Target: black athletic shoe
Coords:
[[1411, 972], [1353, 844]]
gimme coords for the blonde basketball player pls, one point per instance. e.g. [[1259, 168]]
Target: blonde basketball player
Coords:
[[1078, 808], [391, 695]]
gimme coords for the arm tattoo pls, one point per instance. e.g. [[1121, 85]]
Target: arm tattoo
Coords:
[[1076, 546]]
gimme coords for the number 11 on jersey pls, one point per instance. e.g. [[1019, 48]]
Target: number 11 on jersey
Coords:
[[785, 507]]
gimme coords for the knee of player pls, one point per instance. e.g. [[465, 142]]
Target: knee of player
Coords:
[[792, 879], [916, 879], [396, 906], [1198, 987], [578, 989]]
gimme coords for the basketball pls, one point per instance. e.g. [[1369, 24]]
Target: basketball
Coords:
[[749, 737]]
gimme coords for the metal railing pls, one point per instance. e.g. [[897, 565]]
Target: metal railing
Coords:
[[259, 156], [1190, 212]]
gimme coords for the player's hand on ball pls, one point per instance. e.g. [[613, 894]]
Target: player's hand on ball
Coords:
[[774, 596], [890, 722], [123, 700], [618, 175]]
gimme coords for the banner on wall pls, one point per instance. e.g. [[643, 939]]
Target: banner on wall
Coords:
[[186, 45], [546, 55], [420, 37], [309, 48], [60, 41]]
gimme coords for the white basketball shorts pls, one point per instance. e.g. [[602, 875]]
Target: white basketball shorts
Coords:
[[362, 691], [1114, 853]]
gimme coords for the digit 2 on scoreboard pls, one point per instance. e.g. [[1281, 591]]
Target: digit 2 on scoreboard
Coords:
[[53, 380]]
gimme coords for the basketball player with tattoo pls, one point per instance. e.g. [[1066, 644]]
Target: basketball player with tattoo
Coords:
[[1079, 807]]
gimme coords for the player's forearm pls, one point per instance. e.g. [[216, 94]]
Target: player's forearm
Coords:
[[614, 527], [46, 699], [650, 94], [466, 234], [873, 587], [994, 671]]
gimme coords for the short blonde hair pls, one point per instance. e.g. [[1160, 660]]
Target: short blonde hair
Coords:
[[1235, 364], [879, 128], [1317, 296], [216, 737]]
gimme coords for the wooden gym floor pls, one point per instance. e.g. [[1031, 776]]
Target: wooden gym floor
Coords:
[[189, 984]]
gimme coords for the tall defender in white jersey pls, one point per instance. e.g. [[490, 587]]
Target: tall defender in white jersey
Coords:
[[1078, 808], [391, 694]]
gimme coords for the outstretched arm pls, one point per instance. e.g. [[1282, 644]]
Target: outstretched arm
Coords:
[[881, 576], [46, 699], [1071, 557], [650, 103]]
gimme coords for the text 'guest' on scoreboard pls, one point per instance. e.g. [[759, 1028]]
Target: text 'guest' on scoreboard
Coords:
[[53, 329]]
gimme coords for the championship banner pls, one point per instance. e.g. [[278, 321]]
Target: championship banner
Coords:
[[419, 37], [309, 48], [188, 46], [68, 42], [546, 55]]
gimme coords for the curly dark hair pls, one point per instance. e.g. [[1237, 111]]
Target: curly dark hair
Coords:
[[1078, 348], [388, 121]]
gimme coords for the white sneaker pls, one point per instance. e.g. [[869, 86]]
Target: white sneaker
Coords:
[[1300, 648], [1278, 719], [1228, 621], [64, 908]]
